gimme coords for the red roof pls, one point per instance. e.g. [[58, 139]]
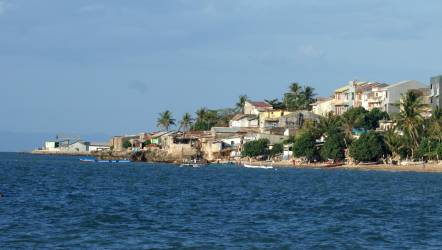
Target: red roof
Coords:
[[261, 104]]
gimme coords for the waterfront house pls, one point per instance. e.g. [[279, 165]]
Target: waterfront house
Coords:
[[351, 95], [52, 146], [270, 119], [323, 106], [117, 142], [393, 94], [374, 97], [244, 121], [99, 146], [254, 107], [436, 85], [78, 146]]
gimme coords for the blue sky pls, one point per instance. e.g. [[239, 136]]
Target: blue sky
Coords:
[[89, 66]]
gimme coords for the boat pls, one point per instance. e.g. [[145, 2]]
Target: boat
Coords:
[[257, 166], [192, 165], [103, 161]]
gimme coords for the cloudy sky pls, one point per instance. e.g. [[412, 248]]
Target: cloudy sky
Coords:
[[90, 66]]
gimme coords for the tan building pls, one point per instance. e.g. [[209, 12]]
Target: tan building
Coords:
[[323, 106], [254, 108]]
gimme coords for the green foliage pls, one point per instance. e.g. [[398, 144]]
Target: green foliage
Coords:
[[368, 148], [429, 150], [186, 122], [241, 102], [165, 120], [276, 104], [207, 118], [277, 149], [305, 146], [373, 117], [126, 144], [256, 148], [334, 147], [299, 98]]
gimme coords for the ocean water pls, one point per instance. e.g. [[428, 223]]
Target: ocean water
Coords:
[[58, 202]]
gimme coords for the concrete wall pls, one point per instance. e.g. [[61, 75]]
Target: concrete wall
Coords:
[[394, 94]]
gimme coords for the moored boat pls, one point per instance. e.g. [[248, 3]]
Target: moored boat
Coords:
[[257, 166]]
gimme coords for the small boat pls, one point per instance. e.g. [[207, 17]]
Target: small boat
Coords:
[[257, 166], [192, 165]]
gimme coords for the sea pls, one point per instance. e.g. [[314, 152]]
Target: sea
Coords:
[[54, 202]]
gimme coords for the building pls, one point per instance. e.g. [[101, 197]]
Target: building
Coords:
[[374, 98], [393, 94], [78, 146], [270, 119], [117, 142], [254, 108], [244, 121], [323, 106], [436, 85], [99, 146], [52, 146]]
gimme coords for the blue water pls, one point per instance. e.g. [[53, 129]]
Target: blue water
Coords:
[[57, 202]]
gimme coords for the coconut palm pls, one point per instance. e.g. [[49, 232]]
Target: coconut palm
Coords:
[[165, 120], [409, 119], [435, 125], [394, 142], [241, 102], [201, 114], [186, 122]]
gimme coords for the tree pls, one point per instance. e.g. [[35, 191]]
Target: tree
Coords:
[[428, 149], [299, 98], [434, 125], [394, 143], [165, 120], [241, 102], [305, 146], [410, 120], [256, 148], [276, 104], [368, 148], [334, 148], [277, 149], [353, 118], [186, 122], [373, 117], [127, 144]]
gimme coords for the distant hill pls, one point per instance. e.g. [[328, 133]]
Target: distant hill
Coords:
[[25, 142]]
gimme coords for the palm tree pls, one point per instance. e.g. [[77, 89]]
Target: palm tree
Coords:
[[394, 142], [295, 88], [241, 102], [201, 114], [165, 120], [186, 122], [410, 120], [435, 125], [276, 104], [308, 96]]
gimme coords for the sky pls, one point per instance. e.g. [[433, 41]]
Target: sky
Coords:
[[109, 67]]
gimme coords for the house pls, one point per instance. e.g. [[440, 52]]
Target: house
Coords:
[[296, 120], [393, 94], [78, 146], [374, 97], [436, 85], [270, 118], [244, 121], [156, 137], [117, 142], [99, 146], [323, 106], [254, 108], [351, 95], [52, 146]]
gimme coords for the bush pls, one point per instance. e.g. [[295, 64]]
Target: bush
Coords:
[[256, 148], [334, 148], [305, 146], [127, 144], [428, 150], [277, 149], [368, 148]]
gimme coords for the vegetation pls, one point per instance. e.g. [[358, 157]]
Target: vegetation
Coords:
[[207, 118], [241, 102], [305, 146], [277, 149], [165, 120], [333, 148], [299, 98], [256, 148], [127, 144], [186, 122], [368, 148]]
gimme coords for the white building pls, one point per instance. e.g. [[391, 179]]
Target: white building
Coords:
[[52, 146], [393, 94], [244, 121], [99, 146]]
